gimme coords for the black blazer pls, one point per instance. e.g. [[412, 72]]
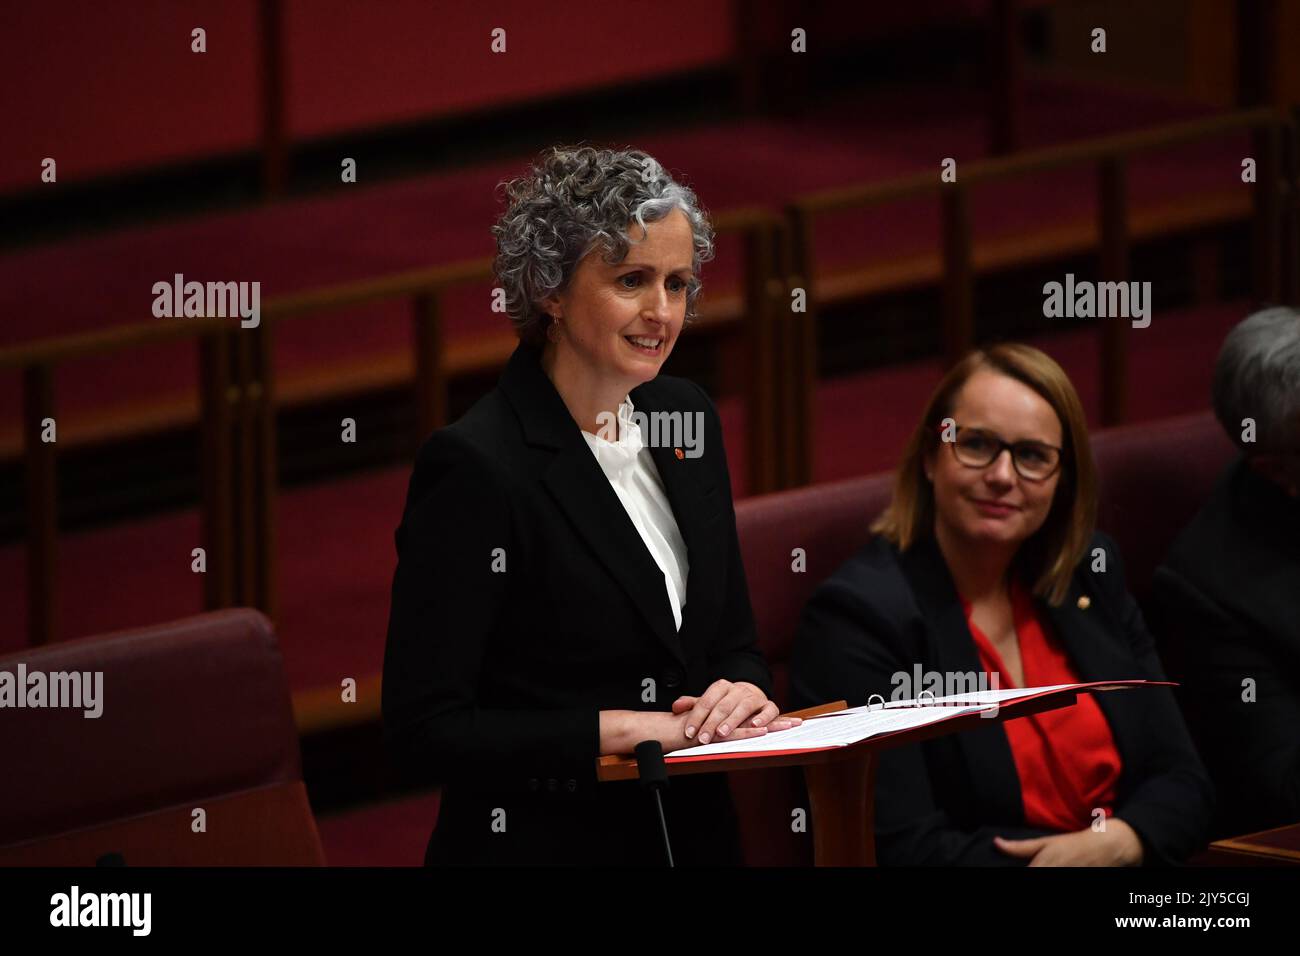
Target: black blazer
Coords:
[[942, 801], [1227, 598], [493, 679]]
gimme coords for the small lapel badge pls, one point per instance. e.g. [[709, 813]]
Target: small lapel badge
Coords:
[[679, 453], [1085, 602]]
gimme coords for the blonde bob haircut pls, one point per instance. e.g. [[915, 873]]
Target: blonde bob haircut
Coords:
[[1047, 559]]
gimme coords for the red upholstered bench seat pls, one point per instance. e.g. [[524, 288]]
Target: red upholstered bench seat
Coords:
[[192, 715]]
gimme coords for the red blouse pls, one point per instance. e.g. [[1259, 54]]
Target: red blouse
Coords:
[[1066, 759]]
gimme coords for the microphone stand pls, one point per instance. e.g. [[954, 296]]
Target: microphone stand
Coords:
[[653, 773]]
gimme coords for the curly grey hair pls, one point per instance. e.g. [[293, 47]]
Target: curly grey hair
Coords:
[[1257, 376], [572, 201]]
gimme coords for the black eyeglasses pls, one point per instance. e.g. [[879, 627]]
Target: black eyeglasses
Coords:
[[978, 448]]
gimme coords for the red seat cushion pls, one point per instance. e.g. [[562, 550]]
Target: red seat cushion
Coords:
[[1154, 477], [190, 711]]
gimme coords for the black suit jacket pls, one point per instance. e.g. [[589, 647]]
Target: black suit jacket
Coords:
[[1228, 599], [493, 679], [943, 801]]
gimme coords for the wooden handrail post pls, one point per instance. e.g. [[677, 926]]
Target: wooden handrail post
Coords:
[[246, 470], [1112, 211], [216, 469], [42, 504], [958, 275], [239, 468], [267, 485], [800, 341], [430, 376], [763, 378]]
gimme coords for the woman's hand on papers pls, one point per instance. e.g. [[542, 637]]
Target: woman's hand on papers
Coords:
[[728, 711], [622, 730], [1117, 845]]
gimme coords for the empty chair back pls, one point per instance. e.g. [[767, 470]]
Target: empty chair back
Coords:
[[168, 745]]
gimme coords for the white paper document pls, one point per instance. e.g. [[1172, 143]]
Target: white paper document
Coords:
[[833, 730], [843, 727], [1000, 696]]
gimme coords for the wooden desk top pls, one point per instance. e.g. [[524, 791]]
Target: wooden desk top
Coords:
[[1279, 846]]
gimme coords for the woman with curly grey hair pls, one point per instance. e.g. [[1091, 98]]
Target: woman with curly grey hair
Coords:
[[569, 581]]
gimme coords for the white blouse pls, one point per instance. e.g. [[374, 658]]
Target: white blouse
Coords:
[[631, 471]]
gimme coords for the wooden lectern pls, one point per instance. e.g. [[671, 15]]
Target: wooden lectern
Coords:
[[841, 780]]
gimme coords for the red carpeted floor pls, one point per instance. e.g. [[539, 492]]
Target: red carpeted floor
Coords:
[[391, 833]]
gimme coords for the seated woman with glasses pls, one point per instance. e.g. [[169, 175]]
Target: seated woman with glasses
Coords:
[[987, 567]]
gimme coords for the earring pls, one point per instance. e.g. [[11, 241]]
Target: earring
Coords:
[[553, 329]]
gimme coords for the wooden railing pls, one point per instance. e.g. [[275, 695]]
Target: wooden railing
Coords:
[[1274, 191], [237, 407], [237, 398]]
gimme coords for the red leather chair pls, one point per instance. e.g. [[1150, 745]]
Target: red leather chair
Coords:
[[1153, 481], [1153, 478], [195, 714], [827, 523]]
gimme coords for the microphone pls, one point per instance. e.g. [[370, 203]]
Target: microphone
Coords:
[[654, 775]]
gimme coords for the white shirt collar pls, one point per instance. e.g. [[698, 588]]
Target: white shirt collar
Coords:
[[616, 457]]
